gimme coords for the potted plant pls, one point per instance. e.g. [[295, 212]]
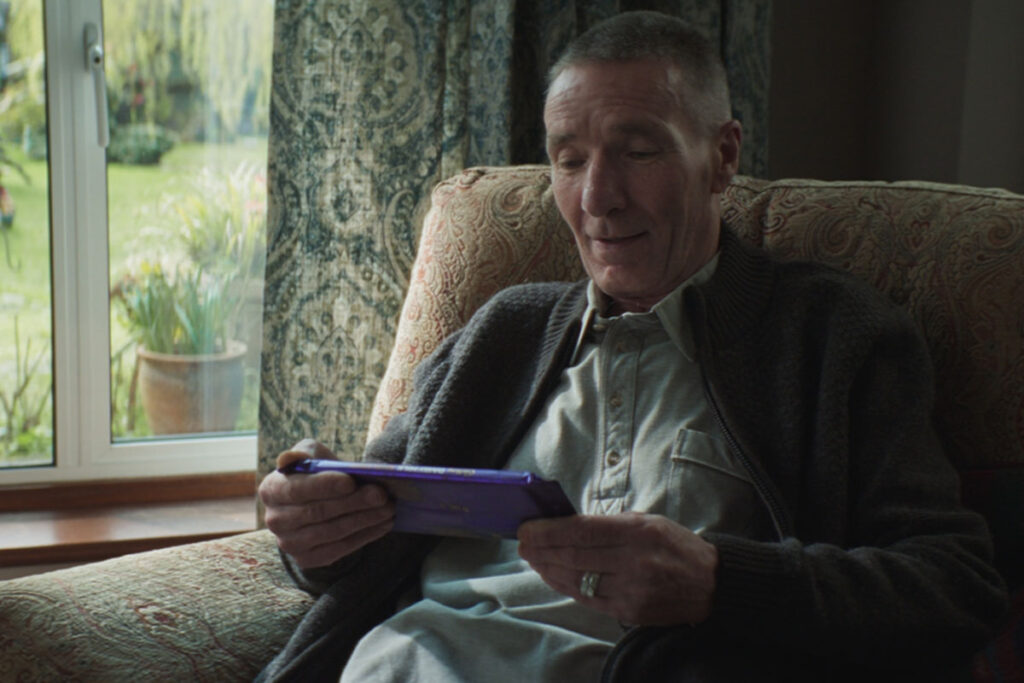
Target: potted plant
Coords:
[[190, 374], [203, 302]]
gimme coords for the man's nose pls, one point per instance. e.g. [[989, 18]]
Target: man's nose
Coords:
[[604, 190]]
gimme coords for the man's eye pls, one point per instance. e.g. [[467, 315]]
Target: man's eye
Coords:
[[642, 154], [570, 163]]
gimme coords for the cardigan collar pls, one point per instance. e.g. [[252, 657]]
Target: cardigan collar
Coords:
[[733, 299]]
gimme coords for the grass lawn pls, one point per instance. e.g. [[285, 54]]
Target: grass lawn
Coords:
[[137, 200]]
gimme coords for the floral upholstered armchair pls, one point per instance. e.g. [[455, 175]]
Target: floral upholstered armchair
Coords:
[[952, 255]]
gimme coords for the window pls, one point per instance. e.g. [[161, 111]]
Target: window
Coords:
[[132, 167]]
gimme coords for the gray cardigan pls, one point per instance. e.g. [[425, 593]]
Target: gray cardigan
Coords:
[[823, 390]]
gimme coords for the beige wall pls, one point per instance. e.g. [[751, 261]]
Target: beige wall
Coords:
[[898, 89]]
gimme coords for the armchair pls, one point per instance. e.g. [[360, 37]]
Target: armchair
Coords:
[[952, 255]]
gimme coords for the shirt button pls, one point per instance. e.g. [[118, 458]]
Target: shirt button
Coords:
[[616, 400], [614, 458]]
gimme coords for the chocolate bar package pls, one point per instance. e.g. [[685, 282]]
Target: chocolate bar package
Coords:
[[451, 501]]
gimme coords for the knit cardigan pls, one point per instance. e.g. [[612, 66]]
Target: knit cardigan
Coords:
[[824, 392]]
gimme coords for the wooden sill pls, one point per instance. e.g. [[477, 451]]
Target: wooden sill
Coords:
[[84, 522]]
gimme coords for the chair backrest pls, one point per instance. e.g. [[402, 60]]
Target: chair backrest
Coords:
[[952, 255], [487, 229]]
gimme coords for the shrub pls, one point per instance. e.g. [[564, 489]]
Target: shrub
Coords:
[[139, 144]]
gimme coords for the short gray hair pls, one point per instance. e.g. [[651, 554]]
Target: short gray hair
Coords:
[[633, 36]]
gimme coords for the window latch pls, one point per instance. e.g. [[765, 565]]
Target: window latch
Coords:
[[94, 64]]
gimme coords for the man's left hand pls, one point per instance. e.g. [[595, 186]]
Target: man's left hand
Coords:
[[653, 571]]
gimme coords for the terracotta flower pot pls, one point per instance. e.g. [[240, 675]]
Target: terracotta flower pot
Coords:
[[192, 394]]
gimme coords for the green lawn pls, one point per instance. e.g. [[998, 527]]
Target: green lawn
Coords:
[[136, 201], [25, 272]]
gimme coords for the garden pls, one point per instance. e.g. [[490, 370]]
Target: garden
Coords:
[[186, 212]]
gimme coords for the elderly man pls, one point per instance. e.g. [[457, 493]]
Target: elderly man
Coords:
[[762, 496]]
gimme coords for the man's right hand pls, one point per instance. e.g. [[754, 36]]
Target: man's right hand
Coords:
[[320, 518]]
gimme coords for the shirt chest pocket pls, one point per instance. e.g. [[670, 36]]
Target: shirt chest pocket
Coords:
[[710, 490]]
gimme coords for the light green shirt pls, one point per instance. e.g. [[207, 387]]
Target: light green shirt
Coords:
[[628, 428]]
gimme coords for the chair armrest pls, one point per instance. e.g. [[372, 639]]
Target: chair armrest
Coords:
[[211, 611]]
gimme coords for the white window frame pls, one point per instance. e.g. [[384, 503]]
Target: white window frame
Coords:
[[83, 447]]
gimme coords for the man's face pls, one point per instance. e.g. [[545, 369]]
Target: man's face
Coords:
[[633, 177]]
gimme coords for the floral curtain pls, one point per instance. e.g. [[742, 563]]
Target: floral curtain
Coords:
[[373, 103]]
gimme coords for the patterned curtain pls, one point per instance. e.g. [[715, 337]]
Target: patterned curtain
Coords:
[[373, 103]]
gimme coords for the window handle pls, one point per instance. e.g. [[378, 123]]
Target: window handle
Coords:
[[94, 63]]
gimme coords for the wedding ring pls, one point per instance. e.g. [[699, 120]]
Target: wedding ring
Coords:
[[588, 584]]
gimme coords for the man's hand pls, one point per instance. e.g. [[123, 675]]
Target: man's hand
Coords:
[[654, 572], [320, 518]]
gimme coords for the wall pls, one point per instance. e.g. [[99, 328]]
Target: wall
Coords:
[[898, 89], [992, 140]]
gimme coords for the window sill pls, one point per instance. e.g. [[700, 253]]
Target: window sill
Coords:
[[85, 522]]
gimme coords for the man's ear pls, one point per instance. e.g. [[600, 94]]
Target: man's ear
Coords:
[[727, 155]]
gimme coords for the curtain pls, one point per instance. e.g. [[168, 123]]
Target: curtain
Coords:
[[375, 101]]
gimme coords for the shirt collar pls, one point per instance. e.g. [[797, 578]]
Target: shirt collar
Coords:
[[670, 311]]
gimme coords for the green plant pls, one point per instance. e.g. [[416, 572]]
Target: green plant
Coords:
[[125, 409], [215, 230], [23, 116], [186, 312], [190, 65], [139, 143], [222, 221], [24, 432], [23, 96], [7, 161]]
